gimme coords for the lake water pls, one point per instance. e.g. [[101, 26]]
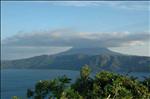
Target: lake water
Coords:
[[16, 82]]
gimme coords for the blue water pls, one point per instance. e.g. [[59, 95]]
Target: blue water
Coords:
[[16, 82]]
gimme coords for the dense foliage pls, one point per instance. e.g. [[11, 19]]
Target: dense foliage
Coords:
[[105, 85]]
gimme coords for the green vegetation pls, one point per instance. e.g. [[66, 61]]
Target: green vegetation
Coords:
[[105, 85], [15, 97]]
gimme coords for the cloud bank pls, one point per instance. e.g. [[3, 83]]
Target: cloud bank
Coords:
[[23, 45], [64, 38]]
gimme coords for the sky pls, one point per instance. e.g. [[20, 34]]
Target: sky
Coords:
[[30, 28]]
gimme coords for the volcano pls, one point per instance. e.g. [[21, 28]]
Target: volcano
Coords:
[[75, 58], [89, 51]]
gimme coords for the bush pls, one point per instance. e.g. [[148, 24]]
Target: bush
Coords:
[[105, 85]]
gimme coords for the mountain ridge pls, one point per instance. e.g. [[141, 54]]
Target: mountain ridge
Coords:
[[75, 58]]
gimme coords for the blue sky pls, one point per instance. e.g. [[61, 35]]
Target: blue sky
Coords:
[[33, 16], [22, 18]]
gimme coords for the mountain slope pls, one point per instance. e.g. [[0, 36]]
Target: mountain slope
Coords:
[[89, 51], [74, 59]]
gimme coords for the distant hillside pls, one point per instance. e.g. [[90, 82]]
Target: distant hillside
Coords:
[[74, 59]]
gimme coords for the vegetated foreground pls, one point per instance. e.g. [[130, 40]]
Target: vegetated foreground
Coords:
[[105, 85]]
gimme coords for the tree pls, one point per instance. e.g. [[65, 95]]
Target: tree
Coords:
[[15, 97], [30, 93], [70, 93], [85, 72], [146, 82], [105, 85]]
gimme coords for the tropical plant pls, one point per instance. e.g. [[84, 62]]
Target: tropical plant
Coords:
[[104, 85]]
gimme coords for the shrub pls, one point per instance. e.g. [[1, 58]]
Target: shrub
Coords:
[[105, 85]]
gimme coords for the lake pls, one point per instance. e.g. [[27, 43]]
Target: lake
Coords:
[[15, 82]]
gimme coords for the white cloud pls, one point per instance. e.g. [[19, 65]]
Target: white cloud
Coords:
[[143, 49], [134, 5], [25, 45], [134, 43], [76, 39], [9, 53]]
